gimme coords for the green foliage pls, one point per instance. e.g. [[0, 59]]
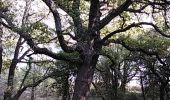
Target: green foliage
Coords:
[[40, 32], [3, 4], [71, 55], [6, 64], [149, 42], [116, 52], [64, 3], [144, 38]]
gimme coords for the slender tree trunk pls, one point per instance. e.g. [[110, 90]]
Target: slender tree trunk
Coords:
[[162, 92], [152, 92], [107, 77], [167, 93], [33, 82], [124, 79], [8, 92], [33, 93], [9, 89], [115, 84], [142, 88], [1, 48], [123, 87], [66, 94], [33, 88]]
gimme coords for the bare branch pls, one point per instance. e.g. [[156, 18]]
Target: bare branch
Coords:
[[39, 61], [19, 92], [134, 25], [120, 30], [23, 55], [57, 19], [38, 50], [26, 74], [138, 49], [137, 10], [94, 11], [114, 13], [76, 16]]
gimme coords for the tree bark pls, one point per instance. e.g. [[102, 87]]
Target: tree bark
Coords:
[[114, 84], [85, 74], [162, 92], [1, 48], [66, 94], [33, 82], [107, 77], [167, 93], [83, 82], [9, 90], [142, 88]]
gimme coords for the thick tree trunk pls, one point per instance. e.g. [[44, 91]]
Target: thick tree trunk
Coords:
[[83, 82], [85, 76]]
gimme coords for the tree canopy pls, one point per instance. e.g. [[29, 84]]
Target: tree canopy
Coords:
[[116, 40]]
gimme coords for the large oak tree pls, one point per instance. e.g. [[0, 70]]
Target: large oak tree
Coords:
[[87, 32]]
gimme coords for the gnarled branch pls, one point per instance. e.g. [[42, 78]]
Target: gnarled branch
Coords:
[[114, 13]]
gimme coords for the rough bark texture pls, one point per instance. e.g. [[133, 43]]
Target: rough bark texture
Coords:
[[85, 74]]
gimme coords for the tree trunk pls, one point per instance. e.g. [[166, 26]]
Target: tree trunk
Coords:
[[142, 88], [33, 93], [162, 92], [124, 79], [33, 82], [107, 77], [66, 94], [9, 89], [167, 93], [85, 76], [83, 82], [114, 84], [123, 87], [1, 49]]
